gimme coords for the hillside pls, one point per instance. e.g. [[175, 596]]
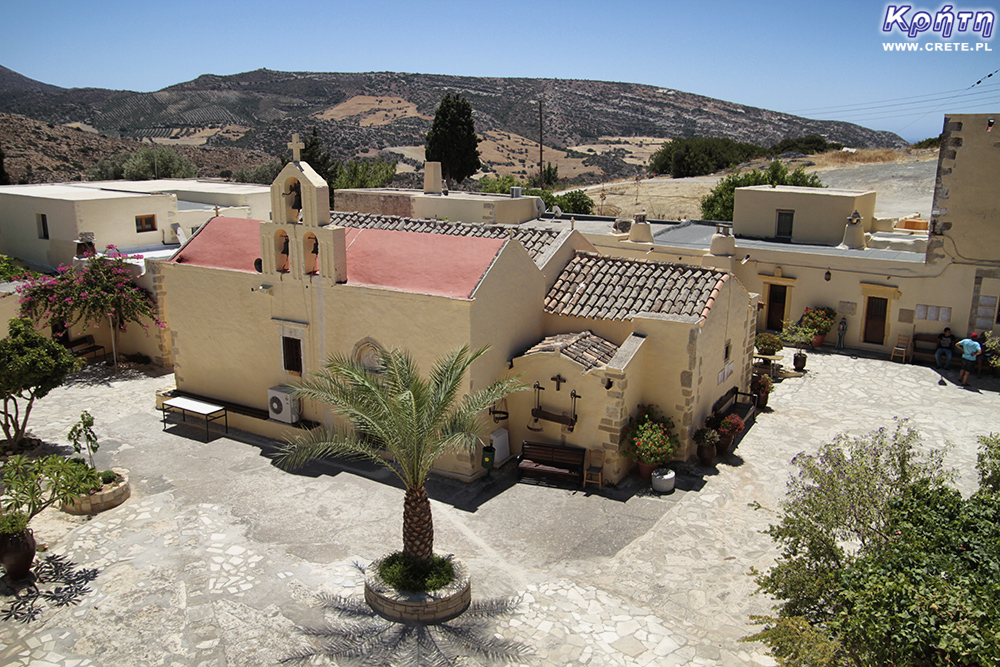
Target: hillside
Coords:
[[41, 152], [367, 114]]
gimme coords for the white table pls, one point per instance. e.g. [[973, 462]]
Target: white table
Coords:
[[186, 406]]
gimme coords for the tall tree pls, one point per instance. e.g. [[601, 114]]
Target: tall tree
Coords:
[[452, 139], [4, 178], [31, 366], [396, 410]]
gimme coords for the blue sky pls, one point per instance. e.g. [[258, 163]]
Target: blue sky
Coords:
[[821, 60]]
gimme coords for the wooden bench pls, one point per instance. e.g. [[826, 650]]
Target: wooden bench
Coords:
[[83, 346], [551, 461], [729, 403]]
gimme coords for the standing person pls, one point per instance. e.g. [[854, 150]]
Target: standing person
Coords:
[[945, 340], [970, 350], [841, 333]]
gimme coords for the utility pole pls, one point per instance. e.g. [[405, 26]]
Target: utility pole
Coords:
[[541, 172]]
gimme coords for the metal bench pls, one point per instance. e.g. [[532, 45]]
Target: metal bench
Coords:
[[186, 406], [83, 346]]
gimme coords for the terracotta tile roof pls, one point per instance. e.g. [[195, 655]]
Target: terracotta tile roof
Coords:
[[617, 288], [584, 347], [535, 241]]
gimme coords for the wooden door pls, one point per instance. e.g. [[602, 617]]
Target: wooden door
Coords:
[[776, 295], [875, 314]]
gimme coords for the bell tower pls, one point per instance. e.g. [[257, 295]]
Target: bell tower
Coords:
[[300, 243]]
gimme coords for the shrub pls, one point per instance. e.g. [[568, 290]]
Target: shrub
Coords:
[[768, 343], [819, 320], [718, 204], [988, 463], [706, 436], [649, 438], [732, 424], [13, 523], [761, 384], [407, 573]]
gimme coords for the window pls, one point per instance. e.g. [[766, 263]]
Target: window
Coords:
[[145, 223], [291, 354], [784, 230], [43, 225], [729, 349]]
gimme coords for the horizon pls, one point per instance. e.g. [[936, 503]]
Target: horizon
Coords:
[[824, 64]]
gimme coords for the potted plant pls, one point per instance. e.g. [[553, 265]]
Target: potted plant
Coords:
[[798, 336], [819, 321], [730, 427], [31, 485], [649, 440], [706, 439], [762, 385], [768, 344]]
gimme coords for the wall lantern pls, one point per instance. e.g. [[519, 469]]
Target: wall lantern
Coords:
[[827, 276], [489, 453]]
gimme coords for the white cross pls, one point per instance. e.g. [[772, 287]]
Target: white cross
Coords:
[[296, 146]]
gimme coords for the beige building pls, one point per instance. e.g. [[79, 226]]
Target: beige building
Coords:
[[253, 306], [46, 225], [886, 278]]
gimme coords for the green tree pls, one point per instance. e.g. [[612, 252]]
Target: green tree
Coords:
[[696, 156], [11, 271], [314, 155], [452, 139], [882, 561], [102, 290], [499, 185], [718, 204], [263, 174], [31, 366], [4, 178], [394, 409], [362, 174], [143, 164]]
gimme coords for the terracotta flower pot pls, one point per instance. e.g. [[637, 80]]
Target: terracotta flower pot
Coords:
[[706, 454], [17, 553], [646, 470], [817, 341], [762, 401], [724, 444], [799, 361]]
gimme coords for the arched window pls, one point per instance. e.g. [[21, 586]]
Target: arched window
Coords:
[[310, 251], [281, 251], [292, 195]]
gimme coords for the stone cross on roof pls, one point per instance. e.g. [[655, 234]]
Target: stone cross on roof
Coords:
[[296, 146]]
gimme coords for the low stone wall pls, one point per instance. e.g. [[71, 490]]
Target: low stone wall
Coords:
[[433, 607], [102, 500]]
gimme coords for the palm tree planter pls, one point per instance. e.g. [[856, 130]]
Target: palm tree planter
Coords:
[[434, 606], [396, 410]]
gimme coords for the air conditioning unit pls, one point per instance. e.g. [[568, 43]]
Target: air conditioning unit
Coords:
[[500, 439], [281, 405]]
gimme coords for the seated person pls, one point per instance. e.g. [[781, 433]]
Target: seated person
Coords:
[[945, 341]]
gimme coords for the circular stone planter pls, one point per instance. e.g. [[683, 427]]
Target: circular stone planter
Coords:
[[433, 607], [663, 480], [104, 499]]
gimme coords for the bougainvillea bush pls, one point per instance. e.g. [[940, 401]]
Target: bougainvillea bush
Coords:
[[102, 289]]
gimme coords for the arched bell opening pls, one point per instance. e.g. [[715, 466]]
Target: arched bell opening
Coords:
[[291, 193], [281, 251], [310, 251]]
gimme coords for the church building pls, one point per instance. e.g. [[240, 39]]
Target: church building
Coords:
[[254, 305]]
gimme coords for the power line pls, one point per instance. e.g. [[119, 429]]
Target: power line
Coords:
[[874, 102]]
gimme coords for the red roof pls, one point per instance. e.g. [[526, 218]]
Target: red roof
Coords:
[[450, 266], [223, 243]]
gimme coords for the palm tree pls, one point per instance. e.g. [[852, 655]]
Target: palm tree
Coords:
[[393, 409]]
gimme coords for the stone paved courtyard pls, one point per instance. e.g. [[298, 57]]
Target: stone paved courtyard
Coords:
[[218, 555]]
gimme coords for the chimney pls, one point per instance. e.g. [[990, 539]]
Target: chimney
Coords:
[[432, 178], [854, 233]]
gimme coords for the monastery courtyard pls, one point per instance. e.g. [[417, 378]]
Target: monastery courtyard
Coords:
[[218, 555]]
